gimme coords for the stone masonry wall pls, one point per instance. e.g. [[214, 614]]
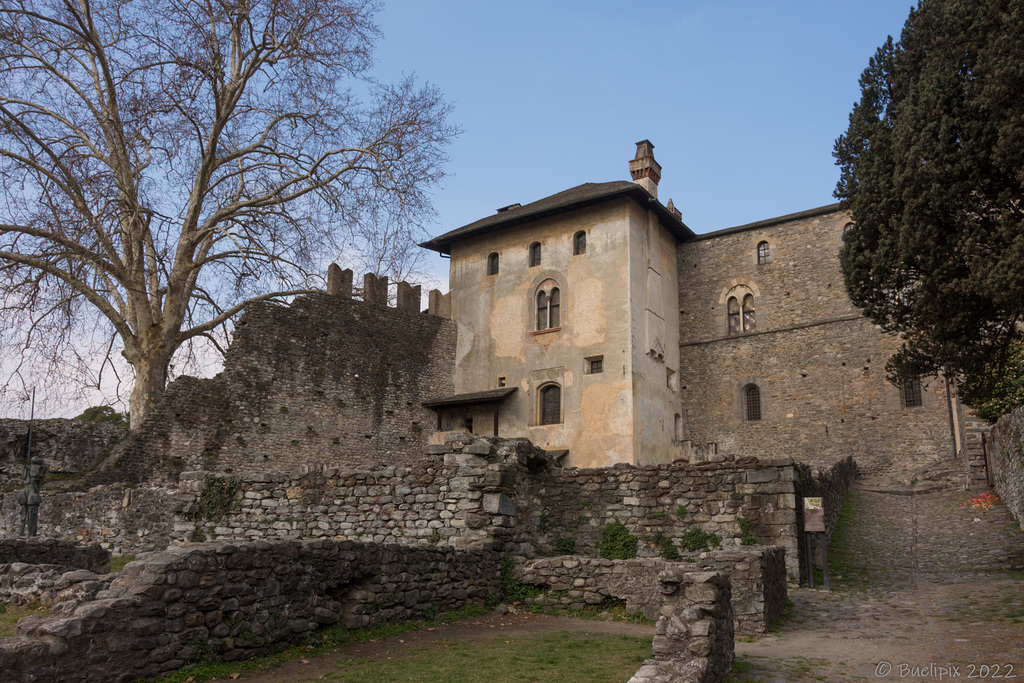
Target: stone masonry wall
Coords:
[[831, 485], [323, 380], [1006, 455], [234, 600], [757, 575], [67, 446], [693, 641], [54, 551], [819, 364], [661, 501]]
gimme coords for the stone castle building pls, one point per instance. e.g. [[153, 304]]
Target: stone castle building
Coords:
[[596, 323]]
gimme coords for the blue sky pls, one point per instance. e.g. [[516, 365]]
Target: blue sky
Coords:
[[743, 100]]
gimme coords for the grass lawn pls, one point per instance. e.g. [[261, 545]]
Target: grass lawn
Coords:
[[9, 615], [567, 657]]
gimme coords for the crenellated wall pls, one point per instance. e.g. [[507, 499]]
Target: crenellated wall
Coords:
[[323, 380]]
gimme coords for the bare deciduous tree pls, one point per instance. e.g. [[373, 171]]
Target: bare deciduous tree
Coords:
[[166, 162]]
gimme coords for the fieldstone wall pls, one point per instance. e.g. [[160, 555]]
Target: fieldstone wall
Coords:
[[757, 576], [1006, 456], [123, 518], [819, 364], [227, 601], [53, 551], [49, 584], [693, 641], [323, 380], [662, 501], [67, 446]]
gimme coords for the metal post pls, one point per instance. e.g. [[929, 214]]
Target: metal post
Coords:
[[810, 561]]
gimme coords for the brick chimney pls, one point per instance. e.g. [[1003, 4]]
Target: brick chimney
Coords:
[[645, 170]]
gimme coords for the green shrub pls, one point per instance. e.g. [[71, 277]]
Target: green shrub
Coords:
[[668, 548], [697, 539], [565, 545], [104, 414], [617, 543]]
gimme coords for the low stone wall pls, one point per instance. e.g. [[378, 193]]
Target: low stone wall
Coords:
[[693, 640], [663, 501], [1006, 456], [55, 551], [757, 576], [228, 601], [49, 584]]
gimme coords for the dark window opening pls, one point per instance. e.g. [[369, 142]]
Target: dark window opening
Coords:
[[752, 403], [579, 243], [492, 263], [551, 405], [912, 397], [741, 318], [535, 254], [595, 365], [764, 253]]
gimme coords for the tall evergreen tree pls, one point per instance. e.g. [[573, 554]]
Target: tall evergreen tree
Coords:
[[933, 173]]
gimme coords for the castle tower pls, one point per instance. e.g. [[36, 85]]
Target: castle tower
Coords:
[[646, 172]]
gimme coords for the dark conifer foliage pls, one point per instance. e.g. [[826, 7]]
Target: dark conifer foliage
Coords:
[[933, 173]]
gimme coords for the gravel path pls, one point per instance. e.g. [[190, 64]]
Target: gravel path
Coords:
[[929, 589]]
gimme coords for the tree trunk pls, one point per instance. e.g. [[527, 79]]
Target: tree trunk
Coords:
[[150, 380]]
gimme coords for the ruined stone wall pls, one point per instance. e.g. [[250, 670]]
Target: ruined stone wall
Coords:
[[663, 501], [693, 641], [64, 553], [124, 518], [819, 365], [757, 575], [67, 446], [831, 484], [1006, 455], [236, 600], [322, 381]]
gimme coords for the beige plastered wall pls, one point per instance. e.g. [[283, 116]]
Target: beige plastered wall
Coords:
[[497, 336], [654, 293]]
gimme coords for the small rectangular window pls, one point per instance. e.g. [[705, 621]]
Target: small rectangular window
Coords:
[[593, 365], [502, 381], [535, 254], [492, 263], [912, 397]]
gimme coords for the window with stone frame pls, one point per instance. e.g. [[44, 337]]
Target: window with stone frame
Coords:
[[535, 254], [492, 263], [910, 392], [751, 403], [764, 253], [579, 243], [741, 316], [550, 404], [548, 305]]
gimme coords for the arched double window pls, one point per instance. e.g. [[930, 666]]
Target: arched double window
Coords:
[[548, 305], [550, 404], [741, 314]]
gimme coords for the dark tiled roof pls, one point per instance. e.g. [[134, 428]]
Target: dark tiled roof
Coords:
[[809, 213], [475, 398], [573, 198]]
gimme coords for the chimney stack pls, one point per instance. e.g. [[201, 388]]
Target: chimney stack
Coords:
[[645, 170]]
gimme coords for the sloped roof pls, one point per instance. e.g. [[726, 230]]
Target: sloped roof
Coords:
[[567, 200], [474, 398]]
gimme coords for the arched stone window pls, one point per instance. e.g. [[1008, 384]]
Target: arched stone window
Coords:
[[764, 253], [741, 315], [550, 404], [751, 403], [579, 243], [548, 305], [535, 254], [492, 263]]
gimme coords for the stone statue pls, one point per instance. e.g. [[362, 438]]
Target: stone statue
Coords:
[[28, 500]]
